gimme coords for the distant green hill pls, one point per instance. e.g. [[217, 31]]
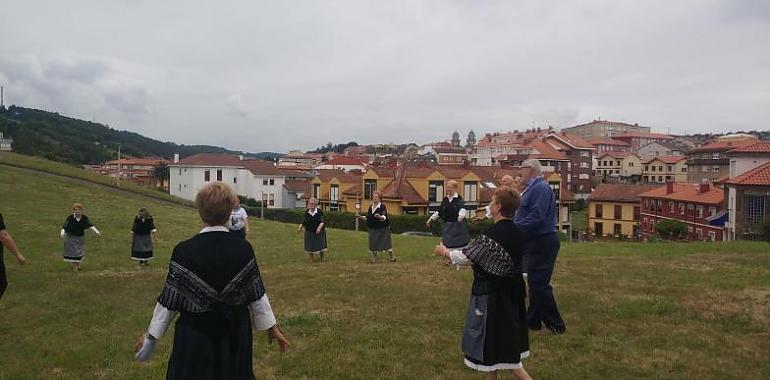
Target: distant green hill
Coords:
[[60, 138]]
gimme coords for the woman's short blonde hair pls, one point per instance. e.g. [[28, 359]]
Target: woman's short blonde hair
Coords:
[[451, 183], [508, 199], [215, 202], [78, 206]]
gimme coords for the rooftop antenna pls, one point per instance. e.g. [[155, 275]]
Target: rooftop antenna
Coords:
[[2, 97]]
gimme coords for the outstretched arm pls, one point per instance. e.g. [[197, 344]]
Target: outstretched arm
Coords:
[[7, 241]]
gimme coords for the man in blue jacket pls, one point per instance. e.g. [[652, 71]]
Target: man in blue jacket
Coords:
[[536, 217]]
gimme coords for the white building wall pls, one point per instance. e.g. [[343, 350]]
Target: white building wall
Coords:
[[740, 165]]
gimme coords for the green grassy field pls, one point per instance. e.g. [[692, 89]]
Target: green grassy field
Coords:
[[654, 311]]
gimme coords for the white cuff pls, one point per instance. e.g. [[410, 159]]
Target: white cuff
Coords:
[[434, 216], [262, 317], [154, 230], [62, 233], [384, 217], [462, 214], [161, 318], [458, 257], [488, 212], [93, 228]]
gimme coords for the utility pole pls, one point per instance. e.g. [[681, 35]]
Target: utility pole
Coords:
[[118, 165]]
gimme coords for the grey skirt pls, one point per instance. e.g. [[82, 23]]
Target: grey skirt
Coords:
[[74, 248], [454, 234], [141, 248], [379, 239], [315, 242]]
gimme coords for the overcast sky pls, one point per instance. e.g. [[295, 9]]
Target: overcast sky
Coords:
[[271, 76]]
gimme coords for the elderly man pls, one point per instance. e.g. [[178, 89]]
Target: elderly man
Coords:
[[537, 217]]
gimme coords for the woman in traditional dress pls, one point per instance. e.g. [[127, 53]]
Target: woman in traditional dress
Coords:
[[239, 222], [142, 237], [315, 232], [454, 231], [496, 334], [214, 285], [7, 241], [73, 234], [379, 228]]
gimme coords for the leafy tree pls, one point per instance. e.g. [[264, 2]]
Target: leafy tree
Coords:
[[671, 229], [161, 173]]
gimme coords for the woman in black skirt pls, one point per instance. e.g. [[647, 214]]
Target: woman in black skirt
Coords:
[[315, 232], [496, 334], [142, 237], [379, 228], [215, 286], [452, 212], [73, 234]]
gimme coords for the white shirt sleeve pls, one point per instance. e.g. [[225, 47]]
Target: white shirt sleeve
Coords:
[[262, 317], [462, 214], [93, 228], [458, 257], [161, 319], [488, 212], [434, 216]]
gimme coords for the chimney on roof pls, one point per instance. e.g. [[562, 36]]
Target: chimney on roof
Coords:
[[669, 187], [704, 186], [240, 157], [176, 158]]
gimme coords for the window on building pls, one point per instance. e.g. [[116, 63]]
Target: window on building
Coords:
[[712, 211], [684, 169], [668, 178], [700, 211], [180, 171], [660, 178], [370, 186], [646, 167], [671, 207], [704, 169], [179, 187], [617, 229], [653, 168], [618, 212], [271, 199], [681, 208], [715, 155], [646, 179], [659, 209], [630, 164], [754, 208], [272, 181], [264, 181], [334, 193], [219, 175], [598, 210], [690, 209], [712, 236], [617, 163], [235, 179], [317, 190], [669, 168], [660, 168], [699, 234], [584, 153], [715, 169], [599, 228], [206, 175], [470, 191], [435, 191], [637, 212]]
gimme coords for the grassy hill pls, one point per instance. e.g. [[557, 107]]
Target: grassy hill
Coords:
[[653, 311], [60, 138]]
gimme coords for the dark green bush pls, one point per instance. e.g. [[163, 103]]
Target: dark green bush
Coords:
[[671, 229]]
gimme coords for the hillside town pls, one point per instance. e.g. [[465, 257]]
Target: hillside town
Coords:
[[612, 180]]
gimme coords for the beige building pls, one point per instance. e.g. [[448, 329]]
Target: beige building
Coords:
[[604, 128], [664, 169], [618, 167]]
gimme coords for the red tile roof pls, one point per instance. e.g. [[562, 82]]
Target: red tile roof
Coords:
[[297, 186], [211, 159], [545, 151], [574, 141], [347, 160], [606, 141], [619, 192], [449, 150], [147, 161], [665, 159], [759, 147], [722, 146], [688, 193], [647, 135], [400, 188], [617, 154], [759, 176], [327, 175]]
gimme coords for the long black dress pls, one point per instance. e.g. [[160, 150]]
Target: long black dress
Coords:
[[212, 279], [314, 242], [141, 245], [496, 335]]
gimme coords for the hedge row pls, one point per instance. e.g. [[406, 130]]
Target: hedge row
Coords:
[[346, 221]]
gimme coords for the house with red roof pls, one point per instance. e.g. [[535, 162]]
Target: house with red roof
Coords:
[[747, 157], [699, 206], [138, 170], [618, 167], [639, 139], [748, 203], [710, 162], [614, 209], [664, 169], [258, 179], [344, 163]]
